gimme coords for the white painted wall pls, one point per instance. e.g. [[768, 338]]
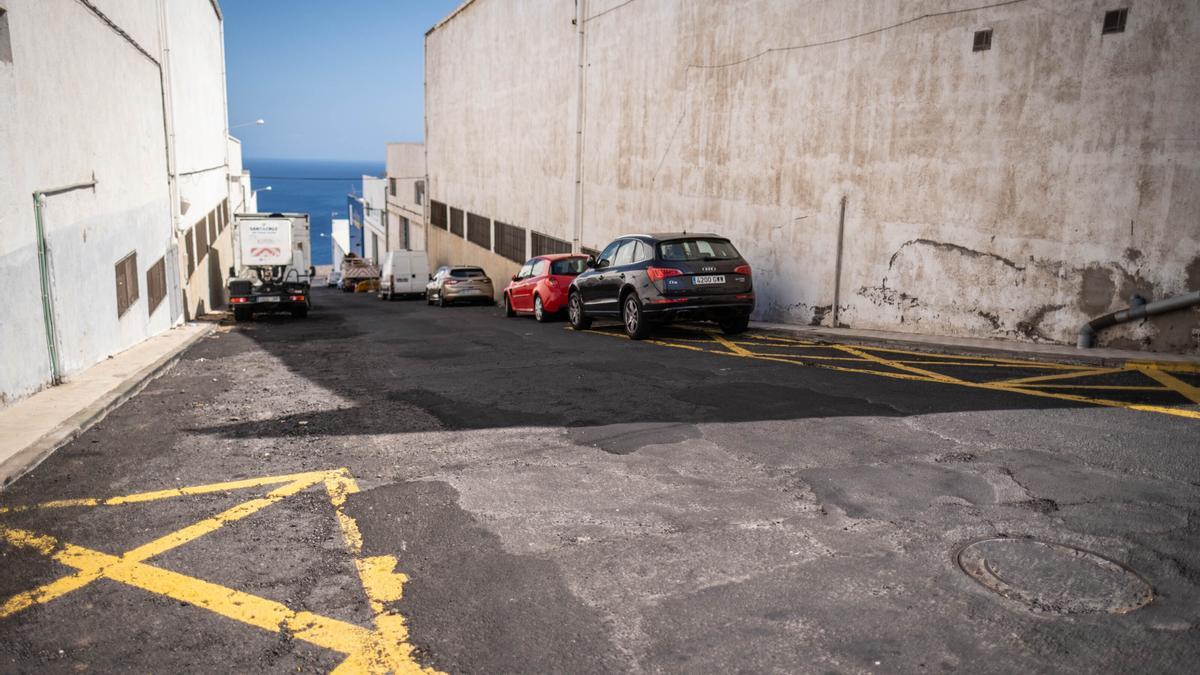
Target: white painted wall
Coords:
[[375, 236], [1010, 193], [405, 168], [78, 100]]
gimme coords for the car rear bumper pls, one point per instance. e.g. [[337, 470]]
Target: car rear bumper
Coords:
[[710, 308], [256, 304], [468, 293]]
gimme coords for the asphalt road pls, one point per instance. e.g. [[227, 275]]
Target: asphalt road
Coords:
[[391, 485]]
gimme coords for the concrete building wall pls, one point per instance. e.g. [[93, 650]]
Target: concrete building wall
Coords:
[[197, 86], [1013, 193], [405, 173], [63, 54]]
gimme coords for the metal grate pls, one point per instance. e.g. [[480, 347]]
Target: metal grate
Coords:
[[479, 230], [127, 283], [456, 221], [510, 241], [201, 229], [156, 283], [212, 226], [544, 244], [437, 214], [1114, 21], [983, 40]]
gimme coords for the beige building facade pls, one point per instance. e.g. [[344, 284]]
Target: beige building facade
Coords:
[[1005, 170], [406, 195]]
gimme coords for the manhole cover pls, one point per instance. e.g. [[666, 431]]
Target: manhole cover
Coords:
[[1056, 578]]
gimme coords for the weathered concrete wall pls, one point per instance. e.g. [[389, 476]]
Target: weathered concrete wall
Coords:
[[449, 249], [78, 100], [1013, 193]]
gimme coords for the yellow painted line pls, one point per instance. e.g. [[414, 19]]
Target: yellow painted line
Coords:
[[1061, 376], [384, 649], [740, 351], [1110, 387], [898, 366], [1191, 368], [1173, 383], [212, 487]]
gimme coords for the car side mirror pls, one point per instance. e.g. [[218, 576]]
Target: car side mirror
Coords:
[[602, 264], [591, 262], [516, 277]]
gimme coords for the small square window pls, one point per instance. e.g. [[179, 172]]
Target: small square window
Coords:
[[983, 40], [5, 40], [1114, 21]]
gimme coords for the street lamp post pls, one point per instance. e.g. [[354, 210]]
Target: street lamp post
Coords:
[[257, 122]]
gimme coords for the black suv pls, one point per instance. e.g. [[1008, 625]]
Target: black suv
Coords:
[[645, 279]]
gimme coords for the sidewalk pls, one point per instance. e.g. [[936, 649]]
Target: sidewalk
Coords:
[[33, 428], [1032, 351]]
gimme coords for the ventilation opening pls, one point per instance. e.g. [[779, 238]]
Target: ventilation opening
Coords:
[[983, 40], [5, 42], [1114, 21]]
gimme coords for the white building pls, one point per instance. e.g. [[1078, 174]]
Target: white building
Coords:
[[113, 152], [374, 218], [340, 244], [406, 195]]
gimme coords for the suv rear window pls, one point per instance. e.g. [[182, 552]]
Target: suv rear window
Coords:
[[697, 249], [470, 273], [574, 266]]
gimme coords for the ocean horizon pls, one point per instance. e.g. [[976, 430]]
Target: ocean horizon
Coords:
[[317, 187]]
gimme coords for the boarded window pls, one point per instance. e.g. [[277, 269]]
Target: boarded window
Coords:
[[437, 214], [156, 284], [479, 230], [127, 283], [510, 241], [456, 221], [191, 252], [419, 191], [983, 40], [544, 244]]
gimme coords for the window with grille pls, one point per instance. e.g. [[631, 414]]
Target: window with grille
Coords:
[[191, 252], [544, 244], [437, 214], [1114, 21], [392, 187], [127, 283], [156, 284], [983, 40], [456, 221], [510, 241], [479, 231], [419, 191]]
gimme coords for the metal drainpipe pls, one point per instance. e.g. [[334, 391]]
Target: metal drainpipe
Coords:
[[1087, 332], [43, 252], [837, 266], [580, 111], [47, 298]]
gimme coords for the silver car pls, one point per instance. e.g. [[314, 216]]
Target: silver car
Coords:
[[461, 283]]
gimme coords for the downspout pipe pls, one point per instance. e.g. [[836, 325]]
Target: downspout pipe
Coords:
[[1087, 332]]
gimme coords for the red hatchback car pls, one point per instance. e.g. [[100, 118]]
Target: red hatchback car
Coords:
[[540, 288]]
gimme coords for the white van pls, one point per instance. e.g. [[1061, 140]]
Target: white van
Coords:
[[403, 273]]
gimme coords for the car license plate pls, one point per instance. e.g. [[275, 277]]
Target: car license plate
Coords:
[[710, 279], [269, 298]]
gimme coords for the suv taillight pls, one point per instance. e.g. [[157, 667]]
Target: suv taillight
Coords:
[[742, 269], [660, 273]]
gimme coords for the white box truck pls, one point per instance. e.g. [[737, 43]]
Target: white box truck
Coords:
[[403, 273], [272, 264]]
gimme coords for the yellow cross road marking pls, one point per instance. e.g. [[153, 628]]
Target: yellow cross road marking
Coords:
[[1171, 382], [921, 370], [383, 649]]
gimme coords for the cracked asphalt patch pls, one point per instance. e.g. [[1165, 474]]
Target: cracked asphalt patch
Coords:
[[563, 502]]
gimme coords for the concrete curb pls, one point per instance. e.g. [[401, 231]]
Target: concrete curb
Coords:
[[29, 457], [945, 345]]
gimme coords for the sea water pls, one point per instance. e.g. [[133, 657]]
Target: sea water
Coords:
[[316, 187]]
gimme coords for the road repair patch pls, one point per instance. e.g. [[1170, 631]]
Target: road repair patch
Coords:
[[382, 647]]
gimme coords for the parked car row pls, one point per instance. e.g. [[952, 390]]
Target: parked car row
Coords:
[[643, 280]]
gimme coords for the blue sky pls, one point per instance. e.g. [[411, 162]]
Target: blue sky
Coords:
[[333, 80]]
